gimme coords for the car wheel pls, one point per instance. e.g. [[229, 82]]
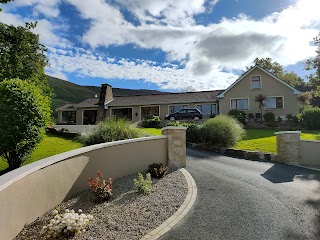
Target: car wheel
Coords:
[[196, 118], [172, 118]]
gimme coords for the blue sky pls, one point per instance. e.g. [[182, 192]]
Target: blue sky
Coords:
[[168, 45]]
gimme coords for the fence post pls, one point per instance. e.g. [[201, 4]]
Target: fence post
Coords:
[[288, 145], [176, 146]]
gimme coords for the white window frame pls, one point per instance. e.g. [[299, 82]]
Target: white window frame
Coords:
[[149, 106], [251, 82], [276, 103], [240, 99], [177, 105], [111, 108], [208, 104]]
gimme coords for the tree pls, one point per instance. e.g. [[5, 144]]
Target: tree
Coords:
[[22, 56], [24, 112], [267, 64], [260, 100]]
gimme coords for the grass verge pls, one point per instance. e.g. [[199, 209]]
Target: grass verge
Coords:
[[49, 146]]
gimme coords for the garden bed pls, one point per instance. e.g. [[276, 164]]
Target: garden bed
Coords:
[[128, 215]]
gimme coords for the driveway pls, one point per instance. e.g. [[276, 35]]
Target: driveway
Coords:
[[240, 199]]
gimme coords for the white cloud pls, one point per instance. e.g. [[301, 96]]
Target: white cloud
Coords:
[[49, 8]]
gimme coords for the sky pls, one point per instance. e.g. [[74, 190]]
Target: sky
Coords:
[[168, 45]]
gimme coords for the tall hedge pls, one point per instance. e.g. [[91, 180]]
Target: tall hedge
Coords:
[[24, 112], [310, 118]]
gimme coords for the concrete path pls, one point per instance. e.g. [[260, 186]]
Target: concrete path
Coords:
[[240, 199]]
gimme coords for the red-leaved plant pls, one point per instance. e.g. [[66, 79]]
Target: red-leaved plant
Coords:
[[101, 187]]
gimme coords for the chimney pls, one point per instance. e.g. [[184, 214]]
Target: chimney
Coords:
[[106, 95]]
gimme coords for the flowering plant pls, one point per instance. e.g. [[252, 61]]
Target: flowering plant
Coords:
[[67, 224], [101, 187]]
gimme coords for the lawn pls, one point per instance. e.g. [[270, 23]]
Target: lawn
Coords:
[[256, 139], [265, 140], [49, 146]]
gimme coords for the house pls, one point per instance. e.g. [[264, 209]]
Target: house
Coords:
[[281, 100], [281, 97]]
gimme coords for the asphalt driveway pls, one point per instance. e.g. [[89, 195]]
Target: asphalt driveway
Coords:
[[240, 199]]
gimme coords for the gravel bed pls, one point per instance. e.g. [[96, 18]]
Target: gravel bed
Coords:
[[128, 215]]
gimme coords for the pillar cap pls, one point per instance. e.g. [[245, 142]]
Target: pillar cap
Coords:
[[287, 132], [174, 128]]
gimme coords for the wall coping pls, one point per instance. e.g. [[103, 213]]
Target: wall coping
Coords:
[[287, 132], [13, 176], [173, 128], [305, 140]]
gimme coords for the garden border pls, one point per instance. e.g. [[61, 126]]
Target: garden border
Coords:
[[180, 213]]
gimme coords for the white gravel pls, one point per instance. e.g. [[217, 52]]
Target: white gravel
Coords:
[[128, 215]]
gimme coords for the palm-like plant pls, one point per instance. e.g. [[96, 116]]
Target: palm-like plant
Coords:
[[260, 100]]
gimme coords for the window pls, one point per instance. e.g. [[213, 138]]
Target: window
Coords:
[[175, 108], [273, 102], [69, 117], [255, 82], [89, 117], [239, 104], [149, 112], [207, 109], [125, 113]]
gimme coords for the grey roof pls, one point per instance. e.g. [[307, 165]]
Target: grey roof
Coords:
[[68, 106], [155, 99], [88, 103], [171, 98]]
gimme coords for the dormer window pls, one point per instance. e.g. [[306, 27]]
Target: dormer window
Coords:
[[255, 82]]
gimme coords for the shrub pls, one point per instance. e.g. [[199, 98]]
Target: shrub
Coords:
[[101, 187], [151, 123], [269, 117], [310, 118], [289, 117], [222, 131], [279, 119], [157, 170], [193, 133], [143, 185], [110, 130], [272, 124], [66, 225], [24, 113], [239, 115]]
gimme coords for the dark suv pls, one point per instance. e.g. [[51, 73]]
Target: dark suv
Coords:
[[185, 113]]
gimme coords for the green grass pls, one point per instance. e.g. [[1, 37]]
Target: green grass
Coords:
[[152, 131], [265, 140], [49, 146]]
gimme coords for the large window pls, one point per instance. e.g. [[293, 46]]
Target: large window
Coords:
[[89, 117], [255, 82], [273, 102], [175, 108], [125, 113], [149, 112], [207, 109], [68, 117], [240, 104]]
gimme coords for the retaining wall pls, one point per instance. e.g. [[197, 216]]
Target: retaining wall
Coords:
[[28, 192]]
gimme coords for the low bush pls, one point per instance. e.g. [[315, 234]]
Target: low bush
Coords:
[[155, 122], [193, 133], [62, 132], [101, 187], [222, 131], [239, 115], [310, 118], [157, 170], [110, 130], [142, 185], [269, 117], [64, 226]]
